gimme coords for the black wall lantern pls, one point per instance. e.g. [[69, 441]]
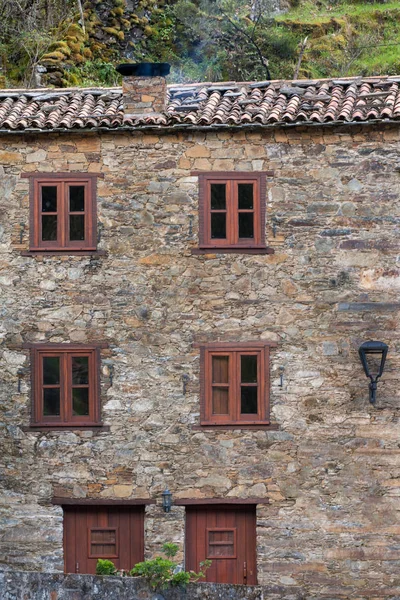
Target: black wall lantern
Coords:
[[373, 357], [166, 500]]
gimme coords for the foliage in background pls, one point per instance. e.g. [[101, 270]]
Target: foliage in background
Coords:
[[78, 42]]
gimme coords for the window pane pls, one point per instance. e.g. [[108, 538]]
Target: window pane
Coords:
[[103, 550], [51, 402], [76, 227], [220, 366], [248, 400], [218, 225], [218, 196], [220, 403], [245, 193], [374, 363], [246, 225], [221, 543], [51, 370], [80, 370], [49, 228], [248, 369], [104, 536], [76, 198], [80, 401], [49, 198]]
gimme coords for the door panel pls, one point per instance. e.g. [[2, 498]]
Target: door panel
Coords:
[[92, 532], [227, 536]]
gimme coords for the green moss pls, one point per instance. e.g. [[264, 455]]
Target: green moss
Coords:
[[56, 56], [75, 46], [111, 31], [62, 47]]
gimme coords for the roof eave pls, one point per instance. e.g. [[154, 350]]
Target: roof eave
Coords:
[[195, 127]]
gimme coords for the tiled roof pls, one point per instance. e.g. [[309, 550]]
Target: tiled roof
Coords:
[[208, 104]]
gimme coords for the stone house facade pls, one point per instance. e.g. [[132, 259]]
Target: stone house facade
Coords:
[[141, 313]]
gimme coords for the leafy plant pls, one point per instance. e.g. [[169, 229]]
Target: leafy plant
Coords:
[[162, 572], [105, 567]]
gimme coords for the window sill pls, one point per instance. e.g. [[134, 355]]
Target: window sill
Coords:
[[232, 250], [71, 427], [230, 427], [64, 253]]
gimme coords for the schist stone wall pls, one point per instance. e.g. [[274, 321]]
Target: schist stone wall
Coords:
[[331, 470], [19, 585]]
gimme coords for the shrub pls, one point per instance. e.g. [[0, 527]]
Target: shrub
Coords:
[[161, 572], [105, 567]]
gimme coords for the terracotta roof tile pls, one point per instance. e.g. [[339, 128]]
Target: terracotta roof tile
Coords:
[[208, 104]]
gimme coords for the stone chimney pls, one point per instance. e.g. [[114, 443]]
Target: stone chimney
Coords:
[[144, 87]]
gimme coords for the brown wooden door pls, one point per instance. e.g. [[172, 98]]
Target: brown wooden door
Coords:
[[93, 532], [227, 536]]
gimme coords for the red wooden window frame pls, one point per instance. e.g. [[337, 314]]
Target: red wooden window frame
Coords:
[[232, 180], [234, 384], [63, 182], [65, 352]]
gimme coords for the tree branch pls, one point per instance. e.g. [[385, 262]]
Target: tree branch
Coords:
[[263, 60], [302, 49]]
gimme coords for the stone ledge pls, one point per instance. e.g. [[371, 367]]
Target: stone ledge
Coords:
[[64, 253], [232, 250], [20, 585]]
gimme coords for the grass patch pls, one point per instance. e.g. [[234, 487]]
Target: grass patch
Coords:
[[308, 12]]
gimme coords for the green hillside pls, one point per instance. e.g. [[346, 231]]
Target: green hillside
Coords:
[[348, 38], [79, 43]]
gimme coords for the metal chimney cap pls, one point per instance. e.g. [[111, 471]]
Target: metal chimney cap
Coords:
[[144, 69]]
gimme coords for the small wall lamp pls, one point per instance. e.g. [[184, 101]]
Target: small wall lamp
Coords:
[[373, 357], [166, 500]]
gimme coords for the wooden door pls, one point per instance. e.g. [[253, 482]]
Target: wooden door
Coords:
[[93, 532], [227, 536]]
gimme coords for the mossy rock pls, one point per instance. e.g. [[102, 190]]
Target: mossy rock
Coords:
[[76, 31], [72, 80], [60, 46], [75, 47], [111, 31], [97, 47], [78, 58], [56, 56], [48, 62]]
